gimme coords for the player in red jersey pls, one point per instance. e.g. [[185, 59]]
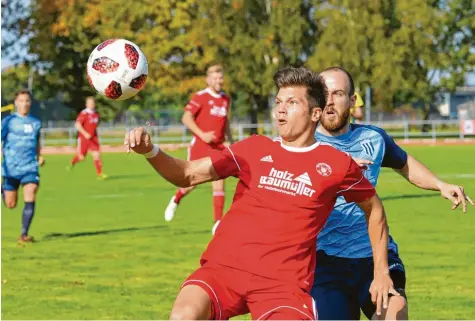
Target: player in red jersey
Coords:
[[262, 256], [86, 125], [206, 116]]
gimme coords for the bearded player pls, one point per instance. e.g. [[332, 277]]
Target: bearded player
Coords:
[[344, 271]]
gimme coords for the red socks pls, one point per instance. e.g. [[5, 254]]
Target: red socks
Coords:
[[218, 205], [75, 160], [179, 195], [98, 166]]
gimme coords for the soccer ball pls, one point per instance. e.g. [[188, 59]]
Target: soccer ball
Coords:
[[117, 69]]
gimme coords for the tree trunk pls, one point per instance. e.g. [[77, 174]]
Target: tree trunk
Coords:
[[427, 109]]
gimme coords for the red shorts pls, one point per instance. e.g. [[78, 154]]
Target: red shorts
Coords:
[[199, 149], [87, 144], [234, 292]]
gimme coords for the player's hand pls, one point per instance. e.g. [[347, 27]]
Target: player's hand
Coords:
[[456, 195], [208, 137], [362, 162], [380, 288], [41, 161], [87, 136], [138, 140]]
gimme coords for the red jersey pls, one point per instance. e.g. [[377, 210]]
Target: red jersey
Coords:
[[89, 119], [210, 111], [282, 201]]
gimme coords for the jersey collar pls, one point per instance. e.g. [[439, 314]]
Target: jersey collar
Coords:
[[88, 111], [18, 115], [212, 93], [300, 149], [340, 137]]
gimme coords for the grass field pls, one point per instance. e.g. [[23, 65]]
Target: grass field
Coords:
[[105, 252]]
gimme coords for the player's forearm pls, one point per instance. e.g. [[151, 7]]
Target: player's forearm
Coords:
[[419, 175], [378, 233], [183, 173], [81, 129], [190, 123]]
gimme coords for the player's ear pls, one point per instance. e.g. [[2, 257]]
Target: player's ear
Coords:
[[352, 101], [316, 114]]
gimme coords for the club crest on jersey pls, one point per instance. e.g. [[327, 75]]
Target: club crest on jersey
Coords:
[[284, 182], [368, 148], [324, 169], [218, 111]]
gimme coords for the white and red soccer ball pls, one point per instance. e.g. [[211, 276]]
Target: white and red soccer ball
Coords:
[[117, 69]]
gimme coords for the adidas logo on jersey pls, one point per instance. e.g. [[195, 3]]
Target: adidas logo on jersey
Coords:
[[267, 158], [284, 182]]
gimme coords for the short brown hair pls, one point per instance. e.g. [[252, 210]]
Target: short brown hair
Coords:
[[22, 92], [214, 68], [303, 77]]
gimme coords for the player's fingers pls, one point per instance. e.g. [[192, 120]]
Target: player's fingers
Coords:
[[394, 292], [469, 200], [126, 141], [453, 199], [385, 299], [137, 136], [146, 139], [374, 295], [379, 300], [362, 161], [461, 198]]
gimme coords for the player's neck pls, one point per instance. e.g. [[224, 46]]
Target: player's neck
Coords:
[[303, 141], [22, 114], [213, 91], [342, 131]]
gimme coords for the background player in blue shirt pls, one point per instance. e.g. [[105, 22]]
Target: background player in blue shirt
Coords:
[[344, 269], [21, 158]]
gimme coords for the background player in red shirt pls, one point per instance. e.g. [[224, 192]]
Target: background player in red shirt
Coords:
[[206, 116], [86, 124], [262, 256]]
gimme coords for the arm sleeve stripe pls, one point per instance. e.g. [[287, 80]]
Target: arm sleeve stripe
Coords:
[[344, 190], [239, 167]]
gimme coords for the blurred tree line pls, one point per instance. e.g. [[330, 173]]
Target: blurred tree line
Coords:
[[405, 50]]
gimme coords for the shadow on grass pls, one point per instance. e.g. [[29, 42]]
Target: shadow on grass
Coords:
[[57, 236], [54, 236], [407, 196]]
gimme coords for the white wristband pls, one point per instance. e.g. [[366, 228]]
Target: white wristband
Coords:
[[153, 152]]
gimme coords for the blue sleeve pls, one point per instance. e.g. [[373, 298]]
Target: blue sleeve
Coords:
[[394, 156], [5, 122]]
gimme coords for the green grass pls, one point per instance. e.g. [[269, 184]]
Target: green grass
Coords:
[[104, 251]]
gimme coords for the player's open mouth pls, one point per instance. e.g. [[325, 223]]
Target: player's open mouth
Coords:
[[281, 122]]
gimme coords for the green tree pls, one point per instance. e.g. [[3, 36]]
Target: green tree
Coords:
[[406, 50], [19, 77], [253, 39]]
